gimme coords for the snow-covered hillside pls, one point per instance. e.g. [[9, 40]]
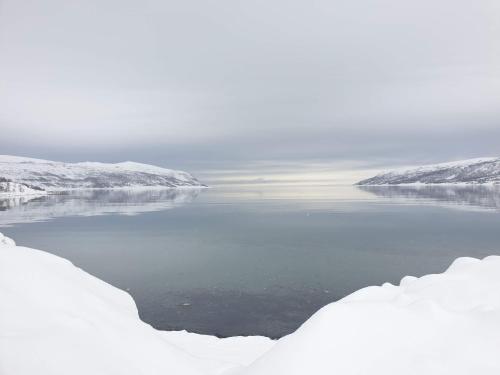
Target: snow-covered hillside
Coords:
[[56, 319], [472, 171], [9, 188], [53, 176]]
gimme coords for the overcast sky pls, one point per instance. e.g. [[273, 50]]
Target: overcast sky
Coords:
[[256, 88]]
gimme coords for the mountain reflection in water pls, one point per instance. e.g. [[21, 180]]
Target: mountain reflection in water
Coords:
[[457, 196], [91, 203]]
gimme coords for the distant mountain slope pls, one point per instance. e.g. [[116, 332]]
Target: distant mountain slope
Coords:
[[473, 171], [15, 189], [16, 172]]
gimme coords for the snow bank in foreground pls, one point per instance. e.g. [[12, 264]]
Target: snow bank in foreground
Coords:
[[6, 241], [57, 319], [437, 324]]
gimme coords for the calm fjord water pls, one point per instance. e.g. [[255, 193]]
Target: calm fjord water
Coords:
[[255, 260]]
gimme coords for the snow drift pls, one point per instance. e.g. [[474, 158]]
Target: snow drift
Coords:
[[437, 324], [57, 319]]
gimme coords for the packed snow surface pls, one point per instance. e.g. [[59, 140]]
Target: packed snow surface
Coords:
[[57, 319], [55, 176], [472, 171]]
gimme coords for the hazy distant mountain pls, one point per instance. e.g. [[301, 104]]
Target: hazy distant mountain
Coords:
[[473, 171], [19, 175]]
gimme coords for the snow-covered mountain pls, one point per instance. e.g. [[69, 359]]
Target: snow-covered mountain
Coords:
[[19, 175], [15, 189], [472, 171]]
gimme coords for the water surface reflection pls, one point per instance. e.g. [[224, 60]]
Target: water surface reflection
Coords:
[[456, 196], [91, 203], [256, 260]]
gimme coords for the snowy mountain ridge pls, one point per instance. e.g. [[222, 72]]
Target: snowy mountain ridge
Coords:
[[22, 175], [471, 171]]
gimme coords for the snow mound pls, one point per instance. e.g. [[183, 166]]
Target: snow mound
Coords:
[[6, 241], [57, 319], [224, 355], [437, 324]]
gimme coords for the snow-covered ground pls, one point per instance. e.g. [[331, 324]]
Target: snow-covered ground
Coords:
[[14, 189], [57, 319], [57, 176]]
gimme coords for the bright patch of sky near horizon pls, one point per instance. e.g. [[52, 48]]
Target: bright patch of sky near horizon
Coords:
[[251, 90]]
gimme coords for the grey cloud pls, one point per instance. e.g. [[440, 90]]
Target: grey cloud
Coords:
[[212, 84]]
